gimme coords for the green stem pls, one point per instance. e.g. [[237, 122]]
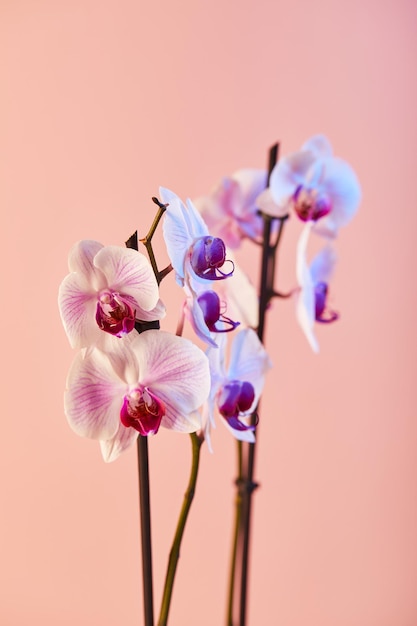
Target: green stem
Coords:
[[175, 549]]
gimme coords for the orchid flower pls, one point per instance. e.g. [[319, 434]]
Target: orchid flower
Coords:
[[206, 314], [149, 380], [109, 287], [318, 186], [235, 391], [194, 254], [313, 280], [231, 210]]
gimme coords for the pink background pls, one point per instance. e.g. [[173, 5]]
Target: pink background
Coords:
[[101, 103]]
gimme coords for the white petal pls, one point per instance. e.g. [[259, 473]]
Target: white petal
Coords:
[[157, 313], [241, 435], [176, 232], [288, 174], [177, 372], [267, 204], [249, 361], [129, 272], [341, 184], [306, 305], [319, 145], [77, 305], [124, 438], [94, 396], [322, 266], [80, 259], [198, 227], [241, 297]]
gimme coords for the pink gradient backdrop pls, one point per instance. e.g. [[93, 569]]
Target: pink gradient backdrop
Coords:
[[101, 103]]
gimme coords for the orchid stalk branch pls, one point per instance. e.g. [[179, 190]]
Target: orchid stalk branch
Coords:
[[174, 555], [144, 506]]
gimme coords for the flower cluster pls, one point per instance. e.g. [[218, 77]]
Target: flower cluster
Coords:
[[123, 383], [323, 192]]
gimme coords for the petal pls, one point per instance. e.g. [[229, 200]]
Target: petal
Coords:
[[319, 145], [288, 174], [241, 297], [157, 313], [305, 307], [94, 396], [341, 184], [177, 372], [197, 225], [267, 204], [195, 316], [81, 260], [322, 266], [77, 305], [112, 448], [240, 435], [129, 272], [251, 183], [177, 235], [249, 361]]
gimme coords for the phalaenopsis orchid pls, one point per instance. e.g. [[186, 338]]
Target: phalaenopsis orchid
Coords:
[[129, 378]]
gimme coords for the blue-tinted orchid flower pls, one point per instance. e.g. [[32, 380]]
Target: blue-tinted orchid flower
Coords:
[[147, 381], [230, 211], [207, 315], [313, 279], [195, 255], [318, 186], [109, 287], [235, 390]]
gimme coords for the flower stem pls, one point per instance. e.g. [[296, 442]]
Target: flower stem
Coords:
[[245, 482], [175, 549], [144, 505], [145, 520], [235, 540]]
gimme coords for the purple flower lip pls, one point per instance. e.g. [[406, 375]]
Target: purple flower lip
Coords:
[[207, 256], [114, 315], [309, 204], [209, 303], [236, 398], [143, 411], [323, 314]]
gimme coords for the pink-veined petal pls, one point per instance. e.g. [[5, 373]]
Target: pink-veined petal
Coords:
[[94, 396], [77, 305], [112, 448], [81, 260], [129, 272], [176, 371], [157, 313], [305, 306]]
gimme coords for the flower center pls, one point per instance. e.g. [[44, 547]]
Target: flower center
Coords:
[[310, 204], [208, 254], [209, 303], [114, 315], [143, 411], [236, 398]]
